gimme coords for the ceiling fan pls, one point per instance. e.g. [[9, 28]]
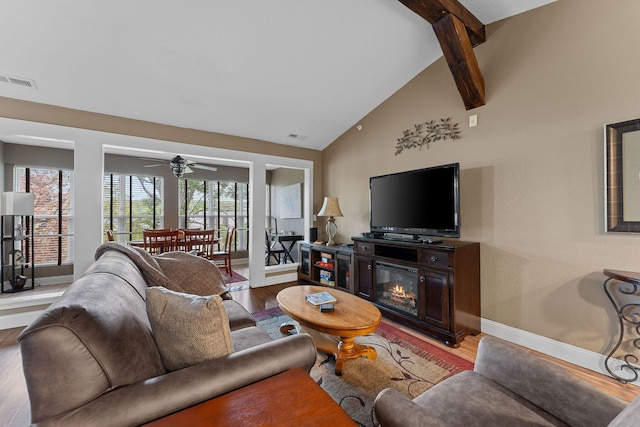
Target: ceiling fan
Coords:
[[179, 166]]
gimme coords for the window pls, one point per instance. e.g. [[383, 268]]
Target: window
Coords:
[[131, 204], [217, 205], [53, 217]]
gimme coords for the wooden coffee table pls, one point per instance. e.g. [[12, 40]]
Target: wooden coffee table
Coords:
[[333, 332], [291, 398]]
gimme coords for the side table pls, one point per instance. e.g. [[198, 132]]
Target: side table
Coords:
[[623, 290]]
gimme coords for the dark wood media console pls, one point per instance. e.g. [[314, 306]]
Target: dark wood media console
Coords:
[[447, 305]]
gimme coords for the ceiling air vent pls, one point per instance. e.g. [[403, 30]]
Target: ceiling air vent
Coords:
[[298, 137], [20, 81]]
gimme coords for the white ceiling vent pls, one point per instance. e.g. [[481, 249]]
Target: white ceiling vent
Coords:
[[20, 81], [298, 137]]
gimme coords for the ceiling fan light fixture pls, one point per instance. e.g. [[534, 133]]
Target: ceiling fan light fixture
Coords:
[[180, 166], [178, 160], [178, 170]]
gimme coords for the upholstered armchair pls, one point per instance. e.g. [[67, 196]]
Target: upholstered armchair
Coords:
[[509, 386]]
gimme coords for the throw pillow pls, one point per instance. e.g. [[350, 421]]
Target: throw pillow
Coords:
[[191, 274], [188, 329]]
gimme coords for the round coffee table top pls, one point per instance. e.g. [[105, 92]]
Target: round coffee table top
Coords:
[[352, 316]]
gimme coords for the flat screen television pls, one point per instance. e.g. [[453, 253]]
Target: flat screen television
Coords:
[[423, 202]]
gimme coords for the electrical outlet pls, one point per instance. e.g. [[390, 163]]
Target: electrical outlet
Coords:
[[473, 120]]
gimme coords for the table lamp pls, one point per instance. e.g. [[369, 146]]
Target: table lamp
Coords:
[[17, 203], [331, 208]]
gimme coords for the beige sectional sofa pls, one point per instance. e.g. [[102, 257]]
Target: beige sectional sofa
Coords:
[[90, 359]]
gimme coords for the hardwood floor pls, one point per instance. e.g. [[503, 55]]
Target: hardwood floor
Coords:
[[14, 402]]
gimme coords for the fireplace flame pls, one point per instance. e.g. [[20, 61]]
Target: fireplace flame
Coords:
[[400, 295], [398, 291]]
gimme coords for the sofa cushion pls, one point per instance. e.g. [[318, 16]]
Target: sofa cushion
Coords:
[[468, 399], [629, 417], [238, 316], [248, 337], [188, 329], [545, 384], [204, 277]]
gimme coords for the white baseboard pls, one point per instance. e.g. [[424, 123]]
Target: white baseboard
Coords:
[[560, 350], [280, 273], [23, 303], [280, 278], [18, 320], [54, 280]]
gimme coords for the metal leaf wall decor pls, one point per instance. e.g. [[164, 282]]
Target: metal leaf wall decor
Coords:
[[425, 133]]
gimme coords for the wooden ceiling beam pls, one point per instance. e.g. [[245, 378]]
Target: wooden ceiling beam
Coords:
[[458, 31], [434, 10], [463, 64]]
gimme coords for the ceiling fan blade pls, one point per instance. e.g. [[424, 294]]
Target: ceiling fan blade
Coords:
[[153, 166], [150, 159], [187, 169], [204, 167]]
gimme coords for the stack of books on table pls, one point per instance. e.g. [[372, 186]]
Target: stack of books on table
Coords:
[[321, 298]]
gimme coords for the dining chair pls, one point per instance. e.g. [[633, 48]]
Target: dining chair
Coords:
[[226, 253], [159, 241], [273, 249], [200, 241], [110, 235]]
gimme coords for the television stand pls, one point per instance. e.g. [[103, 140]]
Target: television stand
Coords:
[[431, 287]]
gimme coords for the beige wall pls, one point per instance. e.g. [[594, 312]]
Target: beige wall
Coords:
[[532, 185]]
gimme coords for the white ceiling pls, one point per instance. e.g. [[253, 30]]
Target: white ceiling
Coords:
[[251, 68]]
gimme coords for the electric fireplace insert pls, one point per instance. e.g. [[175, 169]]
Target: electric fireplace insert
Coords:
[[397, 287]]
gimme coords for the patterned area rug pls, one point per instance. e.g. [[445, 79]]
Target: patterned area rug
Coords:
[[235, 278], [404, 363]]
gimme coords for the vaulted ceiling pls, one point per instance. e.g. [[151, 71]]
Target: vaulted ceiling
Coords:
[[293, 72]]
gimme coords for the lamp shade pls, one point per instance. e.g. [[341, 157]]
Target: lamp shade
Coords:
[[330, 207], [17, 203]]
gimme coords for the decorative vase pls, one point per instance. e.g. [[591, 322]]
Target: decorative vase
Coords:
[[18, 282]]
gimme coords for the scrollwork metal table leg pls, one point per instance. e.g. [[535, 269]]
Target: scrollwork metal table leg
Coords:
[[625, 285]]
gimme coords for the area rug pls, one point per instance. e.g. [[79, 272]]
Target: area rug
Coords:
[[404, 363], [235, 278]]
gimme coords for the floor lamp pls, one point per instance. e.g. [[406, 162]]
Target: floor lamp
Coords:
[[331, 208]]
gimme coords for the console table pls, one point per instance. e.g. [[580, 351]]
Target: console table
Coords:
[[623, 290]]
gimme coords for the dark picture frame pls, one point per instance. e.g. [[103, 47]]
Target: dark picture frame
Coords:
[[614, 177]]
